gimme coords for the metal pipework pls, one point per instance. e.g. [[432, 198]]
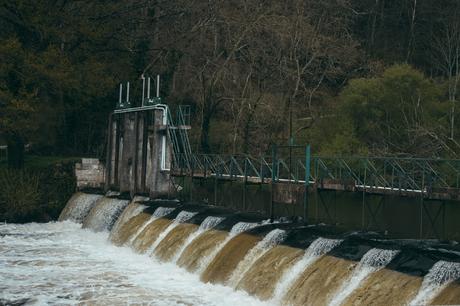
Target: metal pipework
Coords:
[[164, 108], [121, 94], [148, 88], [127, 92], [158, 85], [143, 88]]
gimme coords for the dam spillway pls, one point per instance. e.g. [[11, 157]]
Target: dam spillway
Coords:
[[165, 253]]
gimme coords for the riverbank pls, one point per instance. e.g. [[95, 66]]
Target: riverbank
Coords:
[[37, 193]]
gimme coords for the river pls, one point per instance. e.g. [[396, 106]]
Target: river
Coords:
[[60, 263]]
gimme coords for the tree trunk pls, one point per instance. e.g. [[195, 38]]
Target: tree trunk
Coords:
[[15, 152]]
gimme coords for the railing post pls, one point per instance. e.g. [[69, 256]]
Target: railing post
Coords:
[[274, 165], [307, 182], [192, 168], [245, 181], [261, 169], [363, 197], [205, 167]]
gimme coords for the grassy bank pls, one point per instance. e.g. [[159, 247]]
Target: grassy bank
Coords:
[[37, 193]]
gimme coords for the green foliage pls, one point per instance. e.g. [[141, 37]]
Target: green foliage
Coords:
[[19, 196], [398, 112], [244, 71], [57, 73], [18, 100]]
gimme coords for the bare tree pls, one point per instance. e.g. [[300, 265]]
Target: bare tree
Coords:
[[447, 56]]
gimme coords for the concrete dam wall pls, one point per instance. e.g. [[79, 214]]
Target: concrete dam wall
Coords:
[[285, 263]]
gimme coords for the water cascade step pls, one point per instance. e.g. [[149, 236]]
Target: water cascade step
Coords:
[[133, 209], [372, 261], [104, 214], [269, 262], [131, 219], [318, 248], [78, 207], [128, 228], [182, 217], [450, 295], [158, 213], [439, 276], [385, 287], [207, 224], [201, 247], [150, 234], [236, 229], [261, 279], [272, 239]]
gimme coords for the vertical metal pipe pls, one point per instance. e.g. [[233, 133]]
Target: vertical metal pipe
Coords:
[[121, 94], [136, 153], [245, 182], [108, 161], [307, 182], [421, 205], [274, 165], [143, 89], [117, 149], [127, 92], [145, 143], [215, 188], [191, 181], [158, 85], [148, 89], [363, 199]]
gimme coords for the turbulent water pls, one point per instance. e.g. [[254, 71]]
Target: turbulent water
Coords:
[[60, 263], [318, 248], [94, 263]]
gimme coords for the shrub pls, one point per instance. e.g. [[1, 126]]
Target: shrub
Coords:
[[19, 195]]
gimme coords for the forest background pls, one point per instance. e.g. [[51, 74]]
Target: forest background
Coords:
[[355, 77]]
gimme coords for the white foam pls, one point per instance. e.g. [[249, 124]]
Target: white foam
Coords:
[[372, 261], [270, 240], [317, 248], [62, 264], [102, 216], [440, 275], [78, 207]]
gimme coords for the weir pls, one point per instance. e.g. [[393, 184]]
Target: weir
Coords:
[[336, 268], [149, 153], [257, 224]]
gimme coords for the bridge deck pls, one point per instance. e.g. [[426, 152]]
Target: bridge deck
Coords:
[[428, 178]]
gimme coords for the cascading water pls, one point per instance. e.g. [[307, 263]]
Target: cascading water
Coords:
[[132, 210], [440, 275], [318, 248], [236, 229], [78, 261], [78, 207], [158, 213], [372, 261], [182, 217], [58, 263], [103, 215], [272, 239], [207, 224]]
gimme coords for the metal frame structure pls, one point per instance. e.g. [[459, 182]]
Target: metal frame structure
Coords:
[[429, 178], [421, 178]]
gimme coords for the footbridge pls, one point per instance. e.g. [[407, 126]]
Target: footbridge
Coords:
[[149, 152]]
